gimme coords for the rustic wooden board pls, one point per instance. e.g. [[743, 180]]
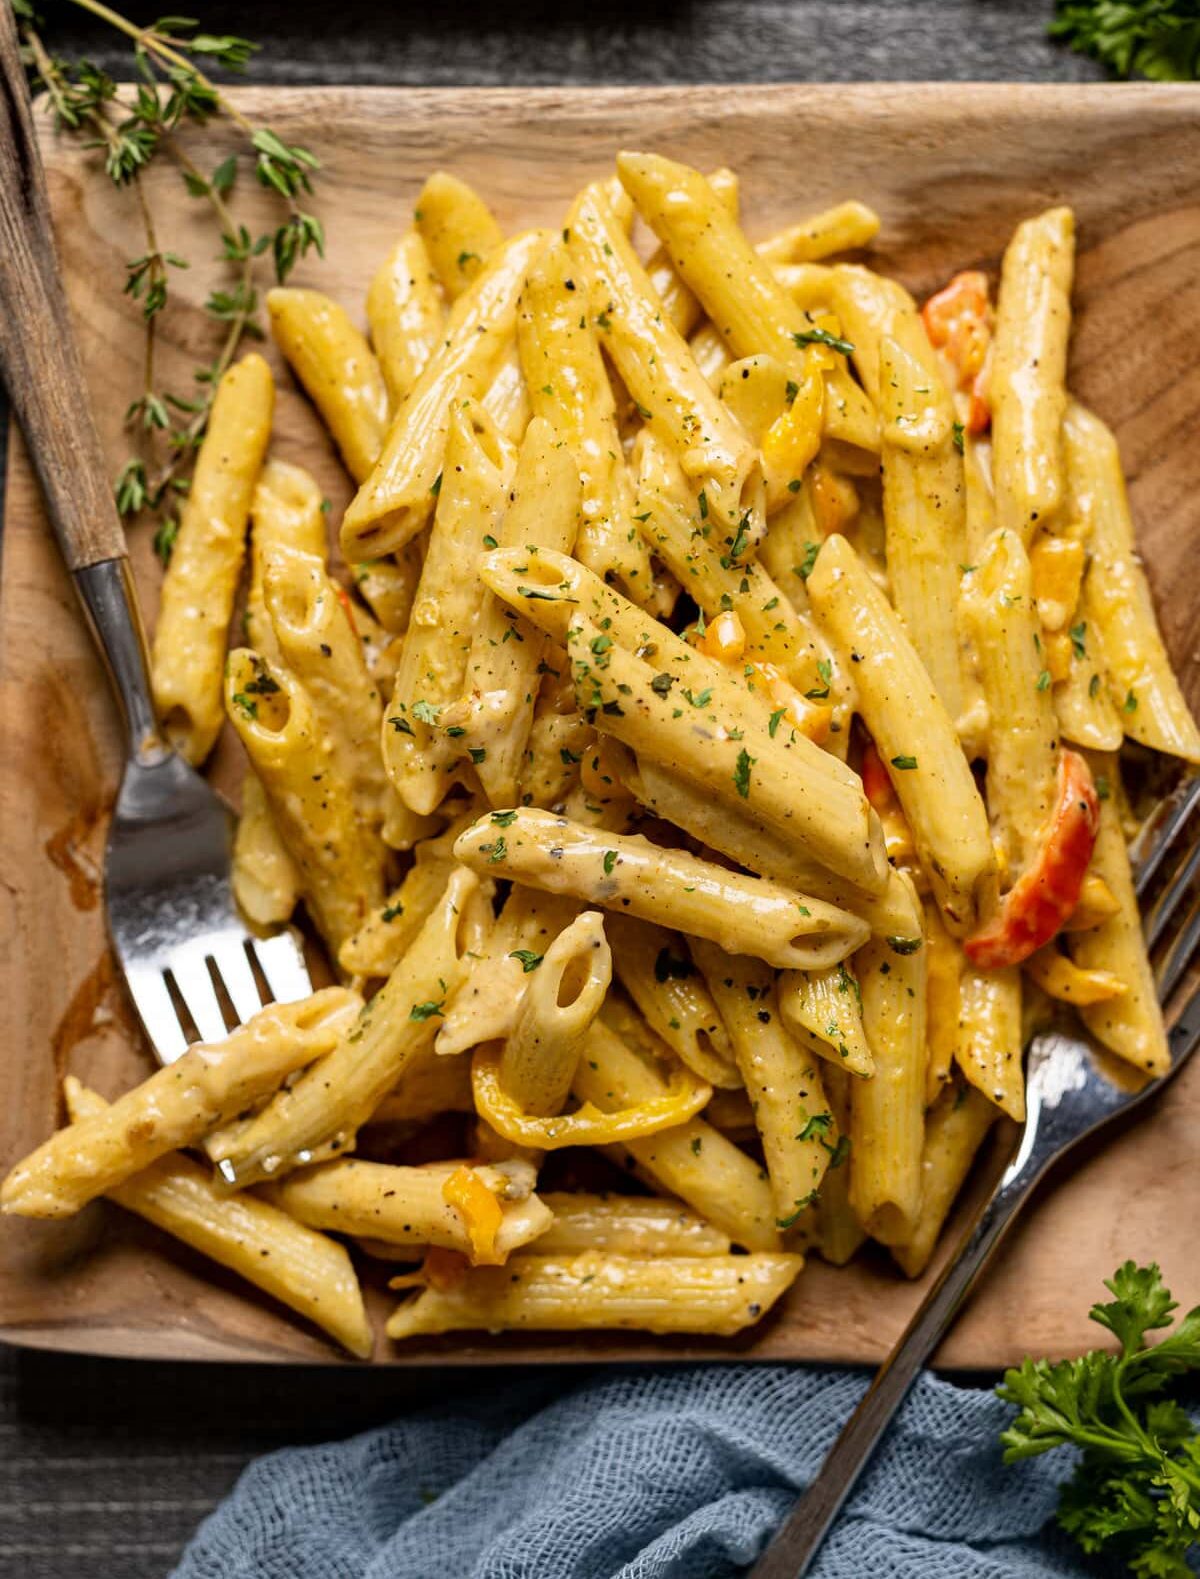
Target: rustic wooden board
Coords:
[[951, 170]]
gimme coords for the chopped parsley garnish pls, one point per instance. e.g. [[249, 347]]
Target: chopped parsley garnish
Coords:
[[610, 860], [818, 1124], [390, 912], [529, 960], [741, 773], [1077, 634], [427, 712], [662, 683], [823, 337], [424, 1011], [504, 819], [957, 437], [905, 764], [805, 568], [900, 945]]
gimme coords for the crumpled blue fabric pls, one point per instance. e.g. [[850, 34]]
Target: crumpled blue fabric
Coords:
[[643, 1474]]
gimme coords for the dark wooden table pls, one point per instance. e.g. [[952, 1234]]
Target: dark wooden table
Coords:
[[108, 1466]]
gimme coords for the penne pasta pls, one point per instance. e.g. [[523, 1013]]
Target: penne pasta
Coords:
[[305, 1271], [458, 230], [396, 501], [990, 1040], [266, 881], [597, 1291], [1116, 598], [846, 227], [188, 654], [337, 370], [1027, 384], [626, 1225], [823, 1008], [799, 1137], [404, 311], [914, 734], [627, 872], [328, 1105], [956, 1127], [205, 1087], [410, 1206]]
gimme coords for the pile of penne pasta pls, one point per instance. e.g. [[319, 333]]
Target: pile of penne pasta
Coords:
[[707, 768]]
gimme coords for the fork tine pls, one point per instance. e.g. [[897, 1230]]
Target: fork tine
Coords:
[[190, 971], [1163, 910], [237, 978], [156, 1009], [281, 960], [1147, 861], [1180, 953]]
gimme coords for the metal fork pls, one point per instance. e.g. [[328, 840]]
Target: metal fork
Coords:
[[1069, 1097], [171, 914]]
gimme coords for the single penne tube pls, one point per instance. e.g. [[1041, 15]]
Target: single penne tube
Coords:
[[321, 648], [810, 285], [329, 1103], [266, 881], [404, 312], [286, 516], [989, 1050], [207, 1085], [337, 369], [887, 1112], [656, 365], [774, 628], [846, 227], [657, 972], [563, 996], [745, 915], [1116, 596], [380, 943], [924, 513], [626, 1225], [826, 1006], [422, 757], [1027, 383], [913, 732], [569, 387], [710, 353], [944, 967], [955, 1129], [735, 285], [306, 1271], [597, 1291], [407, 1206], [196, 604], [690, 713], [458, 229], [1022, 738], [799, 1137], [506, 652], [1130, 1025], [839, 1232], [486, 1005], [398, 498], [872, 309], [678, 301], [692, 1160], [340, 858]]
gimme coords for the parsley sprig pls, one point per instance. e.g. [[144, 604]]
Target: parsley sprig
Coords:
[[1135, 1494], [130, 125], [1134, 38]]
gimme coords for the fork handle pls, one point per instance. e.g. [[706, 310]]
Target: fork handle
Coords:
[[791, 1553], [40, 364], [38, 356]]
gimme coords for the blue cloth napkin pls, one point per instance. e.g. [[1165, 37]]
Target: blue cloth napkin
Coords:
[[642, 1474]]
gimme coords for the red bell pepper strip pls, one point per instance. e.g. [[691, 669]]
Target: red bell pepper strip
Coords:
[[877, 786], [1044, 896]]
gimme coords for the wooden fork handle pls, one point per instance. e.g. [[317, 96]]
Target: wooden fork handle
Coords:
[[38, 356]]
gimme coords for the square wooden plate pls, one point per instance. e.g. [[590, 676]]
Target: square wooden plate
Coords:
[[951, 170]]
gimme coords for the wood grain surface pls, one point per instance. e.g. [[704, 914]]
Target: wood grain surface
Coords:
[[951, 171]]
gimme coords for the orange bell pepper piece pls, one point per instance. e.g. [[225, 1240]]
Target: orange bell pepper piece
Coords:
[[1044, 896]]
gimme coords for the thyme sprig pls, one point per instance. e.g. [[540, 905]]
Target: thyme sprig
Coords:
[[130, 125]]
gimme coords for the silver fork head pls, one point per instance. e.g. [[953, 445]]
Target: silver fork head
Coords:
[[175, 927]]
